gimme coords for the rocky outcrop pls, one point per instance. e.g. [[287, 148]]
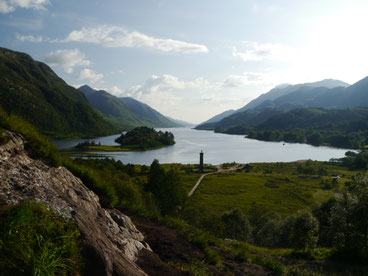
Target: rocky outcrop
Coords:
[[111, 242]]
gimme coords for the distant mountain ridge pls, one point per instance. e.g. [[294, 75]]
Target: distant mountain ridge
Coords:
[[181, 122], [125, 112], [31, 89], [220, 116], [278, 91], [335, 116], [270, 98]]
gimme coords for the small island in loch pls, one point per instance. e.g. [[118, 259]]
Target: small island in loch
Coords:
[[138, 139]]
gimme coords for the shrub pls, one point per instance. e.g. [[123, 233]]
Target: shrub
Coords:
[[349, 222], [212, 257], [272, 264], [3, 138], [304, 233], [236, 226]]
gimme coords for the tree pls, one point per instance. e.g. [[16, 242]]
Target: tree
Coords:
[[236, 226], [323, 214], [304, 233], [166, 187], [155, 178], [349, 221], [314, 139]]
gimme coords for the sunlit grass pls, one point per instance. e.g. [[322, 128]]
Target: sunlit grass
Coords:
[[276, 187]]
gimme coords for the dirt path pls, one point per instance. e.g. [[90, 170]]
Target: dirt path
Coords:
[[219, 169]]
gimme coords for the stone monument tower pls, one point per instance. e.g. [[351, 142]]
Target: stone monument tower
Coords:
[[201, 161]]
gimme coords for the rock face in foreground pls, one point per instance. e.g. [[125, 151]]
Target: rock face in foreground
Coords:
[[111, 242]]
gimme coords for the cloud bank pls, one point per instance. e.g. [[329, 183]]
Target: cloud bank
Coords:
[[115, 37], [8, 6], [88, 74], [30, 38], [254, 51], [67, 59]]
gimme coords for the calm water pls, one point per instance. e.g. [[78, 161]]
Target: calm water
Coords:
[[218, 148]]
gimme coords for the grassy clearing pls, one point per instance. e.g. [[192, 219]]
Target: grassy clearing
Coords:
[[106, 148], [278, 187], [118, 148]]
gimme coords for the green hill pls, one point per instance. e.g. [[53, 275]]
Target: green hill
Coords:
[[240, 120], [330, 94], [285, 91], [30, 89], [333, 110], [343, 128], [287, 96], [125, 112]]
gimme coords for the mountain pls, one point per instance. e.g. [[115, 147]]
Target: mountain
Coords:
[[283, 90], [295, 97], [266, 100], [342, 128], [125, 112], [219, 117], [243, 119], [181, 122], [150, 116], [31, 89], [355, 95]]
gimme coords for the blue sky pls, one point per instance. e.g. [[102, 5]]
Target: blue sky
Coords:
[[191, 59]]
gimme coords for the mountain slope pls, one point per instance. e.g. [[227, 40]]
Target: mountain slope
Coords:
[[112, 107], [125, 112], [150, 116], [181, 122], [33, 91], [219, 117], [278, 91], [356, 94], [267, 100]]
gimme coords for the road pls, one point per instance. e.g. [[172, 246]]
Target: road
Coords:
[[219, 169]]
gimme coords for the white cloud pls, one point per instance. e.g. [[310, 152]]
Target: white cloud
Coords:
[[113, 36], [116, 91], [254, 51], [242, 80], [30, 38], [67, 59], [166, 83], [7, 6], [166, 93], [88, 74], [195, 99]]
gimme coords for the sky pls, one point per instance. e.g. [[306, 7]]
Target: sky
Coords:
[[191, 59]]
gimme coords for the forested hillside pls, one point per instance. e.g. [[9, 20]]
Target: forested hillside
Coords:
[[125, 112], [30, 89]]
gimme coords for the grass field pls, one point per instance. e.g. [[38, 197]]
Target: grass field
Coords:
[[119, 148], [278, 187]]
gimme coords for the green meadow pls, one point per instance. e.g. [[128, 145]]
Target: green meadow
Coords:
[[280, 187]]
